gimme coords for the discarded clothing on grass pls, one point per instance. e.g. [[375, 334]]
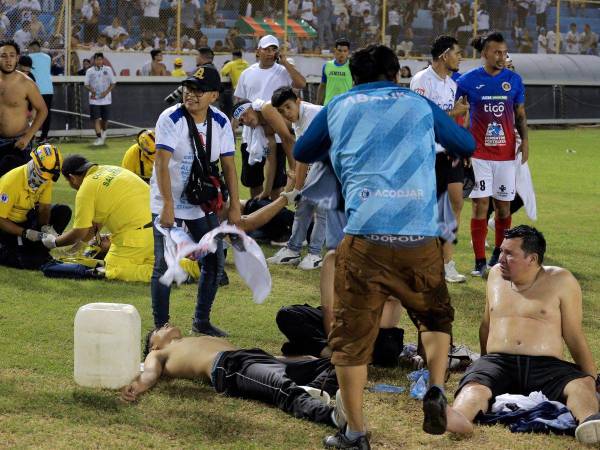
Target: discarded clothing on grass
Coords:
[[531, 414], [248, 257]]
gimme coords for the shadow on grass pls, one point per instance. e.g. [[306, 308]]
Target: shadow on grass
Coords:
[[104, 401]]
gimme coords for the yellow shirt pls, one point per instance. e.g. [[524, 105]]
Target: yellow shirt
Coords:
[[114, 197], [178, 73], [131, 161], [16, 196], [233, 69]]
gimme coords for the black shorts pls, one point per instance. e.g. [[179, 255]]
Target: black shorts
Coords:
[[254, 175], [445, 174], [515, 374], [100, 112]]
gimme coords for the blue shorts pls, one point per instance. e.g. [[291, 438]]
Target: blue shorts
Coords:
[[334, 229]]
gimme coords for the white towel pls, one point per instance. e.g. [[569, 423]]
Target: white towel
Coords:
[[525, 188], [249, 259]]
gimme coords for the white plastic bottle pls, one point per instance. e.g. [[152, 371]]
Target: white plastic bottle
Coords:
[[107, 345]]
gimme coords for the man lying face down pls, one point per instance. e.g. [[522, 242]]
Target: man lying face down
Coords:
[[530, 310]]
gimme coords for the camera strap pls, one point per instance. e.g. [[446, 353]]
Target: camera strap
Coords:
[[201, 150]]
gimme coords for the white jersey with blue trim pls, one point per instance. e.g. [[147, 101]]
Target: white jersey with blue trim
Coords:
[[172, 135], [440, 91]]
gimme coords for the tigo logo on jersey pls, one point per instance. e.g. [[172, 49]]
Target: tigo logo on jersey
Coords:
[[497, 109]]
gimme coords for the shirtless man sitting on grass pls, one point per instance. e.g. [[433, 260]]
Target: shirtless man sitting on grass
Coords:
[[530, 310], [248, 373]]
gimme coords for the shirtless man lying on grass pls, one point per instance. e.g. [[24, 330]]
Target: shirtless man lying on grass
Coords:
[[530, 310], [248, 373]]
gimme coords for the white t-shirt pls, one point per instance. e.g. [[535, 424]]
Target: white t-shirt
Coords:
[[440, 91], [307, 11], [573, 47], [99, 79], [22, 38], [151, 8], [542, 44], [307, 113], [256, 83], [393, 18], [113, 32], [172, 135], [540, 6], [551, 36], [483, 20]]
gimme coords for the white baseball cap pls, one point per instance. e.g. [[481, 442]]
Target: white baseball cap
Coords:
[[267, 41]]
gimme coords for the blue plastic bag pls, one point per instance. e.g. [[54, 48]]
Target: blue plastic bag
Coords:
[[420, 383]]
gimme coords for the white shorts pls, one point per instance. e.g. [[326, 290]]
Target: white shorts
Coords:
[[494, 179]]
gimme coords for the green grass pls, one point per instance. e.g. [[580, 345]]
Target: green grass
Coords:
[[41, 406]]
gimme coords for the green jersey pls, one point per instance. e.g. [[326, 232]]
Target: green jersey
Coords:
[[337, 79]]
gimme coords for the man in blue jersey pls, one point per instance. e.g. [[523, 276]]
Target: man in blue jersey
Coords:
[[381, 142]]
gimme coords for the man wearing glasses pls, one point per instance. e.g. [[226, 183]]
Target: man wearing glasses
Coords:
[[175, 153]]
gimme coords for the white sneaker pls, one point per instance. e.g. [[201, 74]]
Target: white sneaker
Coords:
[[103, 134], [452, 275], [97, 142], [310, 262], [588, 431], [284, 256]]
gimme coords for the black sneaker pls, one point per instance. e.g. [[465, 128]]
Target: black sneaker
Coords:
[[495, 257], [434, 411], [341, 441], [480, 268], [224, 280], [205, 327], [588, 431]]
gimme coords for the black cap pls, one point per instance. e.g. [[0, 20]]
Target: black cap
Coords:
[[206, 78], [75, 165], [25, 61]]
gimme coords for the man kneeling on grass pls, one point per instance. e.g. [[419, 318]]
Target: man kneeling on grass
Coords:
[[248, 373], [530, 310]]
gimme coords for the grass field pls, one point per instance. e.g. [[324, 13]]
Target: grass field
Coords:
[[42, 407]]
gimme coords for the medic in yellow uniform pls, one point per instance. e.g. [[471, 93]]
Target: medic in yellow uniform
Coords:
[[26, 212], [139, 158], [114, 198], [118, 200]]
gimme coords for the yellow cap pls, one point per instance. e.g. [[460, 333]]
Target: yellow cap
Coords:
[[178, 61], [48, 161]]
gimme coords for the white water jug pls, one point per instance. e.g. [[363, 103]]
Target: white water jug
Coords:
[[107, 345]]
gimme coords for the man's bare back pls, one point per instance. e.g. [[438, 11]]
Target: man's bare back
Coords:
[[526, 322]]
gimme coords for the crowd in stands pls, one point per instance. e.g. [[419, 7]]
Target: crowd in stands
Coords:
[[143, 25]]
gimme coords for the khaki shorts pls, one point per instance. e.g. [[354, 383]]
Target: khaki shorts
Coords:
[[366, 274]]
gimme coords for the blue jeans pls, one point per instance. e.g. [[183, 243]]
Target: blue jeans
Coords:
[[302, 219], [211, 265]]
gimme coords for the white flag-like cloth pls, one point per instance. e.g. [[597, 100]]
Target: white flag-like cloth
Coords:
[[525, 188], [248, 256]]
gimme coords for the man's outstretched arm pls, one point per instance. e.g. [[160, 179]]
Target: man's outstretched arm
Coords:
[[153, 367]]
